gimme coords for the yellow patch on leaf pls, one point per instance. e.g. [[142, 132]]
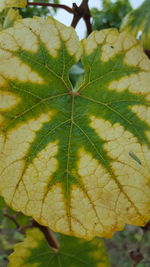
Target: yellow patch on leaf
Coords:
[[131, 162], [14, 68], [8, 100], [12, 158], [55, 202], [135, 83]]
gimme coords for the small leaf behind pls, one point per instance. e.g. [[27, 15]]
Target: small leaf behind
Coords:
[[73, 252]]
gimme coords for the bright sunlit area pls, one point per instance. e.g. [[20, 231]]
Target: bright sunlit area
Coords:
[[66, 18]]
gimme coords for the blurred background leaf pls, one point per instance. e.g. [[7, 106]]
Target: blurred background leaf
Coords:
[[9, 234], [41, 11], [111, 14], [127, 242], [137, 22]]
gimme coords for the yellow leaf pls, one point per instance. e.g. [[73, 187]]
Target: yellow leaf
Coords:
[[75, 159], [11, 16], [12, 3]]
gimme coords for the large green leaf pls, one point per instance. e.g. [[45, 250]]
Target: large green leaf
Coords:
[[76, 160], [73, 252], [137, 22]]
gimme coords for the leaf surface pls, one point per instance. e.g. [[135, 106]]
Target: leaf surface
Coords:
[[73, 252], [76, 160], [137, 22]]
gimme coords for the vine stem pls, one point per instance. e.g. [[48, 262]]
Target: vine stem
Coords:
[[51, 5], [11, 217], [47, 232], [79, 12], [82, 11], [147, 52], [49, 235]]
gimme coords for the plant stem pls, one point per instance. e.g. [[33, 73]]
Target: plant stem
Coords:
[[147, 52], [50, 237], [82, 11], [12, 218], [51, 5], [22, 229]]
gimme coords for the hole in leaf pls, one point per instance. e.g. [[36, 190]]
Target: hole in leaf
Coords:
[[76, 74]]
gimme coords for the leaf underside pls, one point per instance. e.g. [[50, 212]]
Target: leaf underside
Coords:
[[76, 160]]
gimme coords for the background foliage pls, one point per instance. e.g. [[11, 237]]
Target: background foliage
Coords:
[[111, 14], [43, 11]]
